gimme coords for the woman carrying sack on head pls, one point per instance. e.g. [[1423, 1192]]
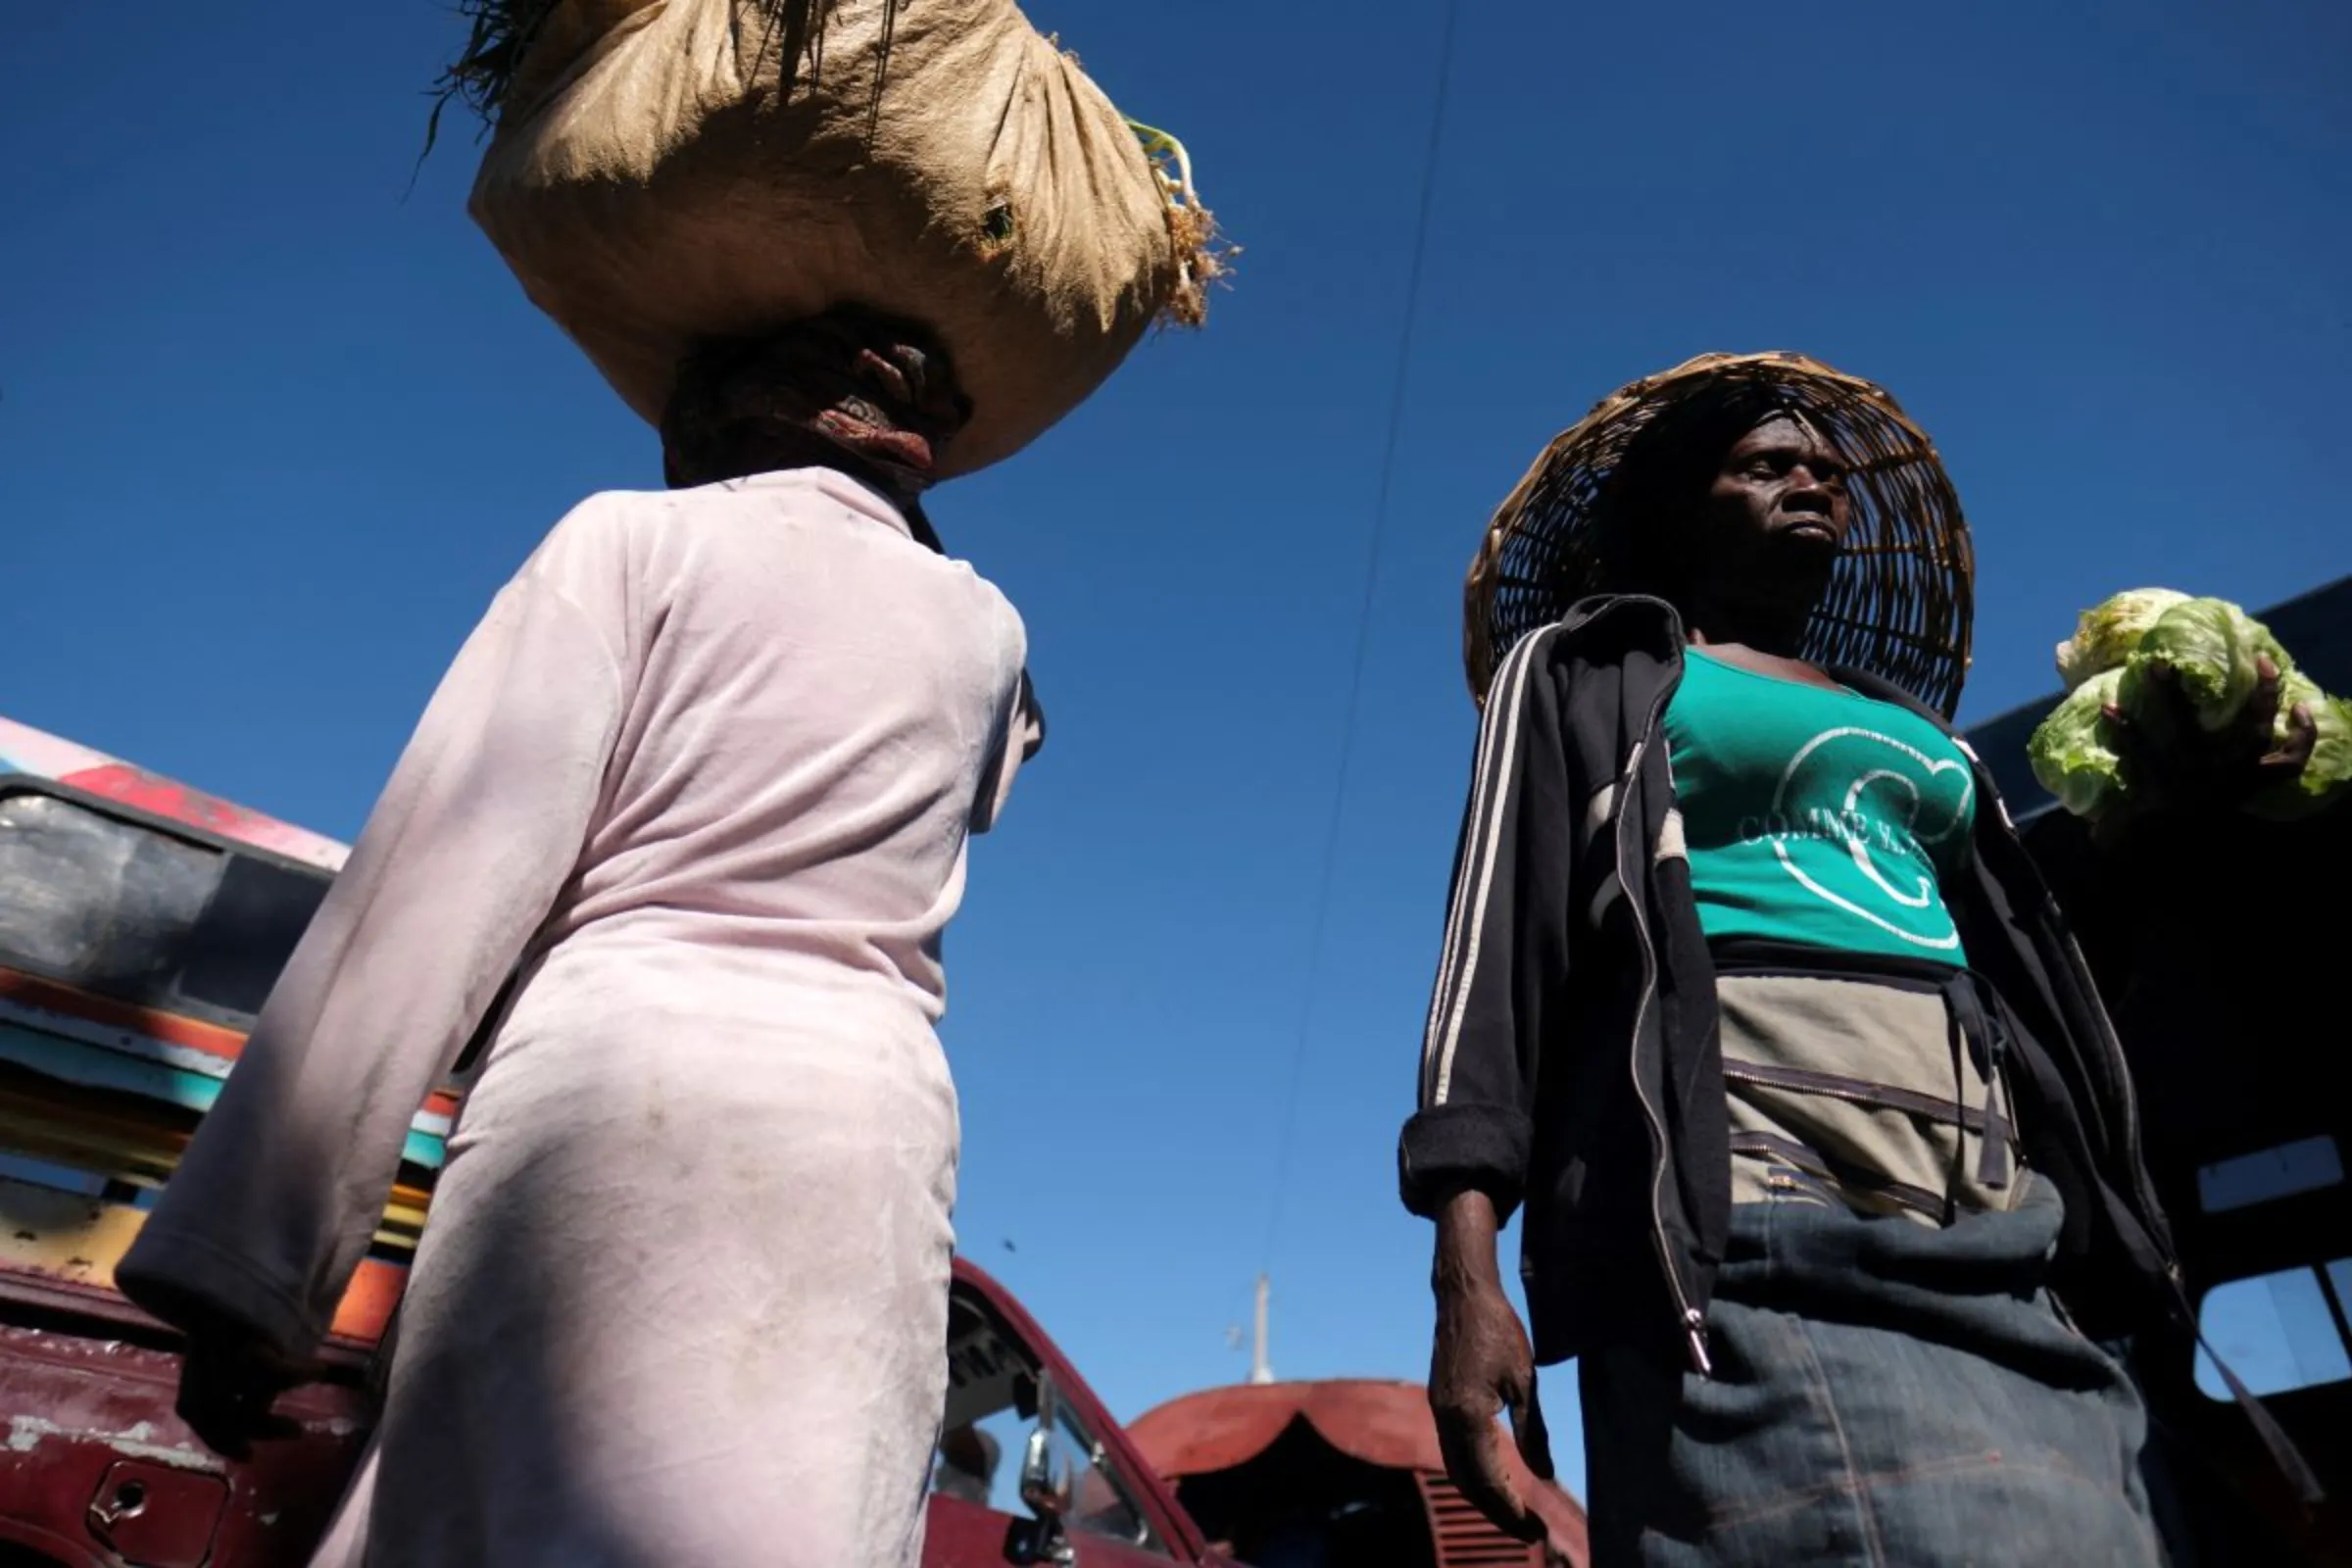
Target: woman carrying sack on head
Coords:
[[1751, 997], [706, 771]]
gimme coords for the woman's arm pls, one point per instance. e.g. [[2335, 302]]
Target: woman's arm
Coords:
[[1505, 960], [2134, 865], [1462, 1159], [2097, 890], [480, 826], [1019, 738]]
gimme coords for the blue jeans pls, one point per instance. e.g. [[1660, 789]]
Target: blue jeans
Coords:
[[1885, 1393]]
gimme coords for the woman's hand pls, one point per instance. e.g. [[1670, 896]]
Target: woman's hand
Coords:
[[228, 1382], [1481, 1366], [2187, 769]]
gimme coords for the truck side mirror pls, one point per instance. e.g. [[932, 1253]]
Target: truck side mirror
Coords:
[[1049, 1481]]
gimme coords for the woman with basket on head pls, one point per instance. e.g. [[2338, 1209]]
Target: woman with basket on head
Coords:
[[1752, 997], [705, 776]]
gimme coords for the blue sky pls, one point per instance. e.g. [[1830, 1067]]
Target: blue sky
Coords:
[[270, 437]]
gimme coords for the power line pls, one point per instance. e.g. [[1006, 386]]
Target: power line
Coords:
[[1363, 626]]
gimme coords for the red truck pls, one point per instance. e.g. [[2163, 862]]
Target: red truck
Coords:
[[141, 926]]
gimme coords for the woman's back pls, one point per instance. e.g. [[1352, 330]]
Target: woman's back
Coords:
[[704, 772], [817, 710]]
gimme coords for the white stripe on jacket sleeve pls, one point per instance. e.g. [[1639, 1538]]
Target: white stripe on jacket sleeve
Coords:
[[1496, 771]]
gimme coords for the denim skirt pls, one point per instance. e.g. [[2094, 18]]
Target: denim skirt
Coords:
[[1884, 1393]]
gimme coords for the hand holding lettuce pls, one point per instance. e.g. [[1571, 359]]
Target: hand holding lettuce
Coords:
[[2211, 650], [2073, 751], [2164, 689], [2324, 779]]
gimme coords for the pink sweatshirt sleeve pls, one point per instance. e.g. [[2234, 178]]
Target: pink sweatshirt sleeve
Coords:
[[478, 830]]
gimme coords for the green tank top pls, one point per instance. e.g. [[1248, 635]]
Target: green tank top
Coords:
[[1817, 817]]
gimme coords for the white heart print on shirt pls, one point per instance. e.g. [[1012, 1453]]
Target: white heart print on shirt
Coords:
[[1898, 794]]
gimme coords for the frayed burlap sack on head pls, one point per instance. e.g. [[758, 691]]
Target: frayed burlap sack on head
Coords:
[[666, 172]]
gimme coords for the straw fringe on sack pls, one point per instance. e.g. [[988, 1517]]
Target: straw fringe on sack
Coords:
[[1902, 597]]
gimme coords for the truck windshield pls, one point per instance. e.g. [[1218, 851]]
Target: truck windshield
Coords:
[[140, 915]]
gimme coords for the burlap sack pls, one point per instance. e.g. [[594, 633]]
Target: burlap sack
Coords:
[[666, 171]]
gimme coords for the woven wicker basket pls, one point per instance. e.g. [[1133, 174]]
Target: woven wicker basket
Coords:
[[1901, 597]]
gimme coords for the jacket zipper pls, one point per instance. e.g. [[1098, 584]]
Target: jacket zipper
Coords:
[[1693, 1324]]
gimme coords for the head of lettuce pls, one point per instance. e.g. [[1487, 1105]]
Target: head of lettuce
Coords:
[[2175, 699]]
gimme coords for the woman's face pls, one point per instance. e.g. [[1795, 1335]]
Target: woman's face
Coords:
[[1781, 481], [1774, 513]]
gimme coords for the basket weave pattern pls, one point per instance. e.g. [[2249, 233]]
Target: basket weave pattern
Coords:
[[1901, 597]]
